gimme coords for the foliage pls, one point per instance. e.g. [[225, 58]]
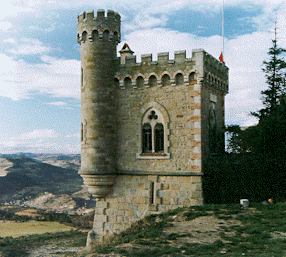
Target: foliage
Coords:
[[230, 177], [268, 136], [11, 247], [254, 236], [274, 70], [234, 139]]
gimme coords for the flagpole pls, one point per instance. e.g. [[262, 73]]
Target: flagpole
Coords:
[[223, 27]]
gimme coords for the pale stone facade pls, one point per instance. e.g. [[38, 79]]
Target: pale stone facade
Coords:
[[147, 127]]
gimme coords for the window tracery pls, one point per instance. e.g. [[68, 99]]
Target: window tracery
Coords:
[[154, 135]]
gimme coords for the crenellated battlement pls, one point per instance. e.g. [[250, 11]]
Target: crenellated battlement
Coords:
[[100, 27], [162, 59], [201, 67], [180, 58]]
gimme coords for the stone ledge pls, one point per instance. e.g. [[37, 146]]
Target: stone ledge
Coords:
[[159, 173]]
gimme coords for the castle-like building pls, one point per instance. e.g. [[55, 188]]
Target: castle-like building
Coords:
[[147, 127]]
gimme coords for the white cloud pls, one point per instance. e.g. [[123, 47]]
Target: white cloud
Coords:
[[58, 103], [73, 135], [29, 46], [57, 77], [11, 8], [41, 141], [5, 26], [145, 20], [37, 134], [9, 40]]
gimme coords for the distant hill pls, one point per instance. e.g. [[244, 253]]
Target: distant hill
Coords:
[[32, 174]]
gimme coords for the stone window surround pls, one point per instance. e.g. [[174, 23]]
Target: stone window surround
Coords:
[[163, 118]]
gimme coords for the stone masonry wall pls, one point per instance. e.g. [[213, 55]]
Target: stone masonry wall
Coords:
[[183, 106], [132, 195]]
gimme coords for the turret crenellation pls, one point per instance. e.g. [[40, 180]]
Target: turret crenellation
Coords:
[[89, 16], [100, 27]]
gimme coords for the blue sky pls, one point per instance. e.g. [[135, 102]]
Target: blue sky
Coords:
[[40, 58]]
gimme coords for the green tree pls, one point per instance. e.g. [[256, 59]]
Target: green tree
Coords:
[[233, 139], [274, 69], [267, 136]]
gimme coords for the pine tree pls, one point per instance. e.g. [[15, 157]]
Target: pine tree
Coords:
[[266, 136], [274, 70]]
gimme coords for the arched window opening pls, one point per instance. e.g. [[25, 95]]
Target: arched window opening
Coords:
[[139, 81], [154, 143], [127, 83], [159, 138], [84, 36], [94, 35], [193, 78], [152, 81], [147, 138], [166, 80], [179, 79], [116, 82], [106, 35], [115, 36]]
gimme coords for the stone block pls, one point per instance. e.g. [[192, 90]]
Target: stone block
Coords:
[[100, 218], [162, 193], [175, 187], [197, 195], [162, 208], [119, 219], [165, 201], [138, 200], [197, 179]]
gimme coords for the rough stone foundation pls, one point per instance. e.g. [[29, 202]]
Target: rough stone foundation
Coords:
[[135, 197]]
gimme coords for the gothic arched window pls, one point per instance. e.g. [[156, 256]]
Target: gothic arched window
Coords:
[[159, 138], [154, 133], [146, 138]]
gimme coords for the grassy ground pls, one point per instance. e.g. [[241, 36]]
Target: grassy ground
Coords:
[[31, 232], [17, 229], [49, 244], [210, 230]]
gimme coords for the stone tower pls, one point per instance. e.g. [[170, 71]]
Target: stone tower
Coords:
[[147, 128], [98, 37]]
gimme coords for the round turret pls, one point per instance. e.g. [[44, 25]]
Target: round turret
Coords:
[[98, 37]]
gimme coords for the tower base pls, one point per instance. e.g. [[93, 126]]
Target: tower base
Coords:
[[134, 197]]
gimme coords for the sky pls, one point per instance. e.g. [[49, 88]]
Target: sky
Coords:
[[40, 58]]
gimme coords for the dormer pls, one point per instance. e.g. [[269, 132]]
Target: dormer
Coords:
[[125, 51]]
